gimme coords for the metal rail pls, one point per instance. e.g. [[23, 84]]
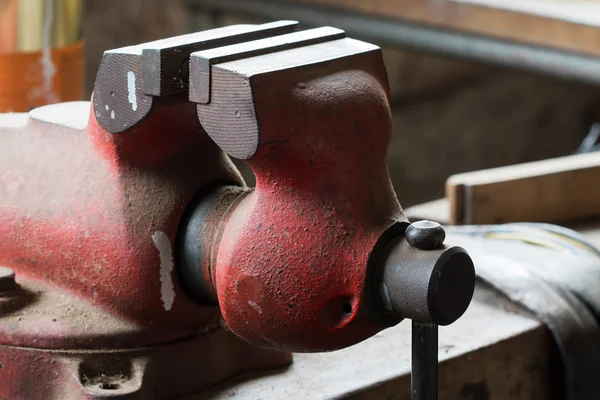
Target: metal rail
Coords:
[[543, 60]]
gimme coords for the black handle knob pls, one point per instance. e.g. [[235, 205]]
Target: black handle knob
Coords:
[[425, 235], [425, 283]]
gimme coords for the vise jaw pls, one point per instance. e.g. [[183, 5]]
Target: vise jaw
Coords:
[[132, 237]]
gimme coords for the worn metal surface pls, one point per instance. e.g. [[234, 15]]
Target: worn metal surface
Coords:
[[165, 63], [97, 214], [93, 220], [232, 119], [292, 262], [89, 221], [202, 61], [130, 78], [291, 269], [90, 238]]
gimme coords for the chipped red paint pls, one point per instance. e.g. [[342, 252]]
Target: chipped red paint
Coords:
[[78, 211], [292, 264], [87, 219]]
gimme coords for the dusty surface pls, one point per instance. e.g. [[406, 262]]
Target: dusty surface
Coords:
[[511, 358]]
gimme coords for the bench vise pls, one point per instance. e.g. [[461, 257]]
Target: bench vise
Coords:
[[136, 263]]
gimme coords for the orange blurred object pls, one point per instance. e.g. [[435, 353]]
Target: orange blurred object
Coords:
[[8, 26], [41, 53]]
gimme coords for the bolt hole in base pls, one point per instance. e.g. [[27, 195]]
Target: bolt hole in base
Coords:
[[106, 372], [347, 308], [337, 312], [109, 386]]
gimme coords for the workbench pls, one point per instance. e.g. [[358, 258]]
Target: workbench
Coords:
[[495, 351]]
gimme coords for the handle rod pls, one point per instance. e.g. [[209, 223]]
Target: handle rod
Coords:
[[424, 376]]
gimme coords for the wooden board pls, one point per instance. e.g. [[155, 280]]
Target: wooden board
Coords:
[[580, 12], [557, 190], [435, 210], [493, 352], [530, 22]]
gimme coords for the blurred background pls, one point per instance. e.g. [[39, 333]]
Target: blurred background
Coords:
[[453, 112]]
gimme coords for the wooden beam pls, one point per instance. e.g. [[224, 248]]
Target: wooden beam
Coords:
[[556, 190], [529, 23]]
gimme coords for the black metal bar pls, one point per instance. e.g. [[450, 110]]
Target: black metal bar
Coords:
[[424, 377], [543, 60]]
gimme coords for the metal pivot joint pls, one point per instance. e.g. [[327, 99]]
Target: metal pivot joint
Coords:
[[432, 284], [423, 279]]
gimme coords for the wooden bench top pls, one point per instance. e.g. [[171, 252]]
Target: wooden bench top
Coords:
[[493, 349]]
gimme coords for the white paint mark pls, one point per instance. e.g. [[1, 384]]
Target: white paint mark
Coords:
[[106, 107], [385, 296], [112, 114], [13, 120], [255, 306], [167, 289], [74, 114], [131, 90]]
